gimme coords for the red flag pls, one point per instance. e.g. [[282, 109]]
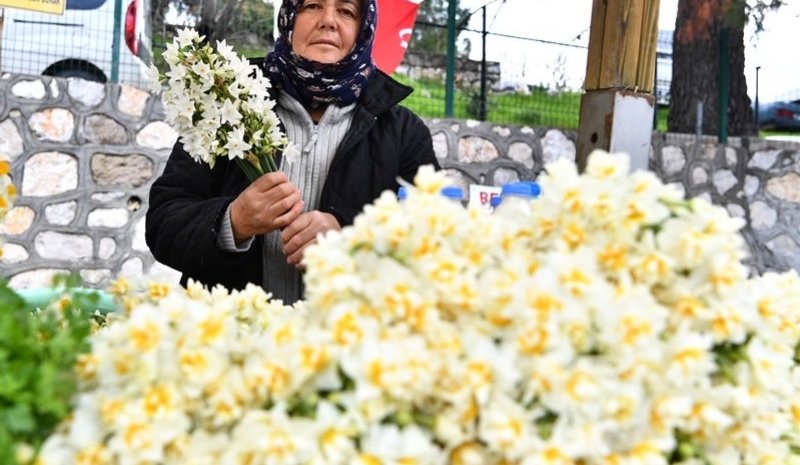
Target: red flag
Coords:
[[395, 23]]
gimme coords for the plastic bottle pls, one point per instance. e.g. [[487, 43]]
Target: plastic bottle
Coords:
[[516, 198], [495, 201], [536, 189]]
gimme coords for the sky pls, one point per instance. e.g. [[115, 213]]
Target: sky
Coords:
[[776, 50]]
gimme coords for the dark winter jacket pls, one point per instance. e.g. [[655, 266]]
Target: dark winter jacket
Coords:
[[384, 142]]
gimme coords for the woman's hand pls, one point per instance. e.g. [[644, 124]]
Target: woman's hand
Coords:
[[303, 231], [270, 202]]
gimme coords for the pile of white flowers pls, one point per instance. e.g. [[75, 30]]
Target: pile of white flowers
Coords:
[[614, 323], [219, 104]]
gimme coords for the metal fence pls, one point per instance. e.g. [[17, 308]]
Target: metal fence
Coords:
[[499, 78], [101, 40], [510, 79]]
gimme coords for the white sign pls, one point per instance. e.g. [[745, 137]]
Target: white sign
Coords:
[[43, 6], [481, 196]]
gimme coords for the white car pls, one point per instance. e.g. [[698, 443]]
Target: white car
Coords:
[[81, 42]]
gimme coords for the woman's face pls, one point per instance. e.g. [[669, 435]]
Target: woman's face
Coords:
[[326, 30]]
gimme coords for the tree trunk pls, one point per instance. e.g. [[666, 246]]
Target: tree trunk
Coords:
[[207, 26], [696, 75], [231, 10]]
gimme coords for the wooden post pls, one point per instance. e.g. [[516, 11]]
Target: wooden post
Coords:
[[618, 105]]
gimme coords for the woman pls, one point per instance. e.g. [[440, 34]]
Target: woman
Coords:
[[216, 228]]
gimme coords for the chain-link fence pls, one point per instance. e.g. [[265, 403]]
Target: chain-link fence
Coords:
[[499, 78], [100, 40], [534, 82], [116, 40]]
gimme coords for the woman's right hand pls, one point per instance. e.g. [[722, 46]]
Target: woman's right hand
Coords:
[[269, 203]]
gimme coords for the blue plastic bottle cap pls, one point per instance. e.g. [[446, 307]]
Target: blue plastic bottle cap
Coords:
[[516, 188], [402, 193], [524, 188], [536, 189], [453, 192]]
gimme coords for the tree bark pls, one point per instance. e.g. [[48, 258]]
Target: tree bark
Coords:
[[696, 75], [207, 26]]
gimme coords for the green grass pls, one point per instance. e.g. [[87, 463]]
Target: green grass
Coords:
[[539, 107], [763, 134], [661, 113]]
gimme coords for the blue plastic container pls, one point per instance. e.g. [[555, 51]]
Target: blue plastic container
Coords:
[[40, 297]]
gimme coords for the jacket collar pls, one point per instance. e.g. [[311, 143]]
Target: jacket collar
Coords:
[[383, 92]]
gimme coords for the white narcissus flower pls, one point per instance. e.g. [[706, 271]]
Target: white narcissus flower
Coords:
[[469, 453], [608, 166], [612, 324], [291, 153], [137, 439], [508, 427], [8, 194], [219, 104], [584, 437], [336, 433], [688, 358], [229, 113], [236, 147], [198, 368], [390, 445], [270, 437], [768, 360], [153, 79], [56, 450], [429, 181], [187, 37], [86, 428]]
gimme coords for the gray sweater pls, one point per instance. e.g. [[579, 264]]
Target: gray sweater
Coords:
[[317, 143]]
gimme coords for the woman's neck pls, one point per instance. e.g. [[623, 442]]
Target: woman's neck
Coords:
[[316, 113]]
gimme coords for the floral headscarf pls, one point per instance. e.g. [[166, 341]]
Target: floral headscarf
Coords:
[[313, 83]]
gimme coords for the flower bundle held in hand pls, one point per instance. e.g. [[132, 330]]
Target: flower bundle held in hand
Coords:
[[613, 325], [219, 105]]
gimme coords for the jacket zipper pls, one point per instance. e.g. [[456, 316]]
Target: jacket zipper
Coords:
[[314, 136]]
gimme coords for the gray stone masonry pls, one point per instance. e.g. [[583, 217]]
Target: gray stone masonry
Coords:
[[83, 156]]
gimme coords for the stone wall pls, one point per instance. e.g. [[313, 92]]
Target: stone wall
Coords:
[[422, 65], [83, 156]]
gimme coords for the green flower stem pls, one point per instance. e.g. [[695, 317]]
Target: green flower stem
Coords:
[[251, 171], [255, 166], [267, 164]]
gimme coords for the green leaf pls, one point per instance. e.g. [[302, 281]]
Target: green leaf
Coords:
[[38, 350], [13, 381], [19, 418]]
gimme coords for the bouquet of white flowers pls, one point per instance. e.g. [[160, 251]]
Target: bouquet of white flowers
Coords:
[[614, 325], [219, 104]]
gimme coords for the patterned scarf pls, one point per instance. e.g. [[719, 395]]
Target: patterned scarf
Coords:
[[313, 83]]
